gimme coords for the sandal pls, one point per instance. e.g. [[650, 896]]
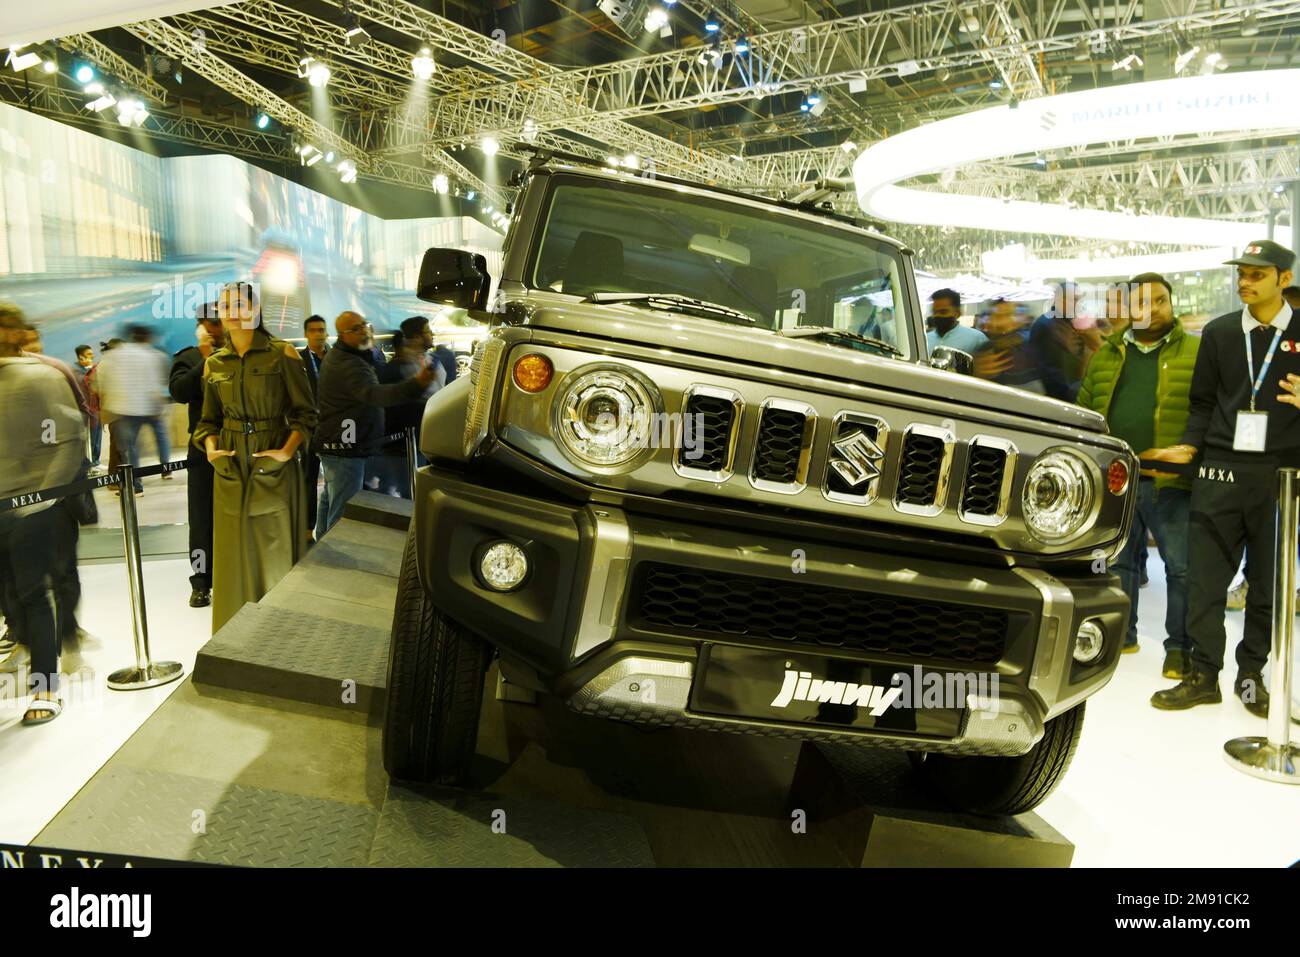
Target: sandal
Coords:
[[53, 707]]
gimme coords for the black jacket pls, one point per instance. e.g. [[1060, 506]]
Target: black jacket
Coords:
[[1221, 389], [351, 402], [185, 382]]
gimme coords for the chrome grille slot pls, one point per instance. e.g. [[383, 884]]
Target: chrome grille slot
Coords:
[[986, 492], [706, 440], [924, 469], [783, 447]]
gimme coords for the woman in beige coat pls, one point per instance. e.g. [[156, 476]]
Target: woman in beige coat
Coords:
[[257, 411]]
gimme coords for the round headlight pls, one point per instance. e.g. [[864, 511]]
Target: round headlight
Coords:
[[1060, 496], [602, 416], [503, 566]]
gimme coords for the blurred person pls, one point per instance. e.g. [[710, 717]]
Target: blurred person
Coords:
[[352, 400], [945, 324], [131, 382], [1007, 358], [447, 359], [85, 364], [1140, 380], [185, 383], [1063, 340], [1244, 424], [313, 354], [42, 445], [409, 356], [1292, 296], [257, 412]]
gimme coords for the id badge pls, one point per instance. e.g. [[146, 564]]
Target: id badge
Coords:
[[1252, 427]]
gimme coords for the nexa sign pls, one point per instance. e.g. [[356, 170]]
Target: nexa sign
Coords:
[[802, 686]]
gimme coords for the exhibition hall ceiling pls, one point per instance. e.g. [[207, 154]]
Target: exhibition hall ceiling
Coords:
[[768, 96], [35, 22]]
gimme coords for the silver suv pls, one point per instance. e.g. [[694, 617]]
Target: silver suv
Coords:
[[704, 473]]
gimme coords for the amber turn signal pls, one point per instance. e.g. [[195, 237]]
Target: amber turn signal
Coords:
[[1117, 477], [533, 372]]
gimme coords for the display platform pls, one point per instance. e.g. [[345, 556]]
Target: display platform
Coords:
[[264, 758]]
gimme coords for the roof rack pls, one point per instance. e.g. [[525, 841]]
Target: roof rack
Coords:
[[812, 200]]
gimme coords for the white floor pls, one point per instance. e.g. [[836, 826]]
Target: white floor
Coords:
[[1151, 788], [45, 765], [1147, 788]]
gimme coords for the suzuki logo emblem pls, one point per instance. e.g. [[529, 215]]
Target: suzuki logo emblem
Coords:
[[858, 458]]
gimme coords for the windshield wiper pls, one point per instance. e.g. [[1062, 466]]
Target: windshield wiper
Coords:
[[812, 332], [672, 301]]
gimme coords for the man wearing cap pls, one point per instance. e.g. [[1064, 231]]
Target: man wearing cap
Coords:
[[1243, 426]]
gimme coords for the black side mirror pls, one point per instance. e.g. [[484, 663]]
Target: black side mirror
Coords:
[[953, 360], [454, 277]]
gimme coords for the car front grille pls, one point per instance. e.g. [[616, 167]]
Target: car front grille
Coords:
[[700, 603], [862, 456]]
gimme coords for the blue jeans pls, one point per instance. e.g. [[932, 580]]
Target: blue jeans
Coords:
[[125, 433], [343, 479], [96, 441], [1165, 513]]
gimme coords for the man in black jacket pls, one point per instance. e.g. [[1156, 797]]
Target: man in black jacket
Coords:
[[1239, 433], [313, 354], [351, 401], [185, 383]]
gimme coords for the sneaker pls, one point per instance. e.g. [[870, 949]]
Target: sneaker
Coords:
[[1129, 649], [1251, 691], [20, 658], [167, 476], [1177, 664], [1237, 598], [7, 645], [1196, 688], [200, 598]]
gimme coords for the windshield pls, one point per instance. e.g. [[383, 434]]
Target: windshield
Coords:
[[782, 272]]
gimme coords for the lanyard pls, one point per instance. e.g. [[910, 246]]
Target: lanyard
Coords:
[[1250, 364]]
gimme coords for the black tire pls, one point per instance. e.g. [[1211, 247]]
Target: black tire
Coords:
[[988, 785], [435, 687]]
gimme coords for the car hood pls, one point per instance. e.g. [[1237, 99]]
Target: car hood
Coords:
[[762, 347]]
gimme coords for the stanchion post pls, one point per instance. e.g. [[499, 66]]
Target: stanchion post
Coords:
[[412, 461], [146, 673], [1275, 758]]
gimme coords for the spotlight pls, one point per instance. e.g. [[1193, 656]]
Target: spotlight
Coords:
[[309, 155], [1185, 57], [489, 146], [742, 46], [198, 40], [329, 157], [441, 184], [1250, 25], [318, 74], [710, 57], [849, 146], [631, 161], [422, 64], [611, 160], [131, 111], [1082, 50], [656, 19], [487, 209], [970, 22], [356, 35], [22, 61], [347, 171], [995, 85], [263, 121], [530, 129], [103, 99], [51, 63], [1213, 61], [1127, 63], [711, 23], [942, 74], [84, 73], [471, 195]]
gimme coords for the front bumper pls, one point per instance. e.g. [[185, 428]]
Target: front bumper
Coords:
[[582, 627]]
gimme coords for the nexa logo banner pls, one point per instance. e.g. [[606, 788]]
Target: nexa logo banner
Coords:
[[802, 686]]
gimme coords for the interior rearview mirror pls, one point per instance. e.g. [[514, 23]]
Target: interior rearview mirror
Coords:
[[953, 360], [454, 277]]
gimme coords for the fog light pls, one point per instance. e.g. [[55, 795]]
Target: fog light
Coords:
[[503, 566], [533, 372], [1089, 642]]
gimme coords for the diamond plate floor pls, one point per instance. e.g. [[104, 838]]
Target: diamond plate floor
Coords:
[[446, 828]]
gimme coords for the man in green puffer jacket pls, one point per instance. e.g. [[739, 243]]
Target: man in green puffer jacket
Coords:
[[1140, 380]]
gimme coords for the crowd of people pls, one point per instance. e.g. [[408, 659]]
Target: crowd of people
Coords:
[[268, 424], [1212, 417], [1219, 407]]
